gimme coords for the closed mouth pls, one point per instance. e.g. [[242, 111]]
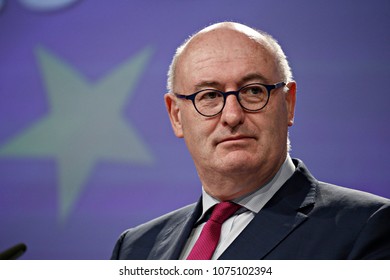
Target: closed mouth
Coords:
[[235, 139]]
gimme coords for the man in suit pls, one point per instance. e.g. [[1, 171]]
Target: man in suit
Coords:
[[232, 98]]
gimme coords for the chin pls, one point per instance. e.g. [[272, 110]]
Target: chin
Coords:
[[239, 163]]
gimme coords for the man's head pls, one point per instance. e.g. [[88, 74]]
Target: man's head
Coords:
[[235, 151]]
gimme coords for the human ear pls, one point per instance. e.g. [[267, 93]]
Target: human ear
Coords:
[[174, 114], [290, 101]]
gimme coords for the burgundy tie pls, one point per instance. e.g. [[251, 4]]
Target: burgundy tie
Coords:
[[208, 240]]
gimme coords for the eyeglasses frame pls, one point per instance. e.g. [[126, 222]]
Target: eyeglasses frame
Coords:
[[235, 93]]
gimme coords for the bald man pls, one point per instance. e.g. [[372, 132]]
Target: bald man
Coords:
[[232, 99]]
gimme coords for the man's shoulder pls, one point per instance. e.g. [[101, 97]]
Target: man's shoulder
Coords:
[[137, 242], [163, 221], [334, 194]]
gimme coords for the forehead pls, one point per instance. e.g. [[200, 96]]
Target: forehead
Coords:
[[225, 56]]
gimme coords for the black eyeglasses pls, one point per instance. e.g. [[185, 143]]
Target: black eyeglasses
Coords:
[[251, 97]]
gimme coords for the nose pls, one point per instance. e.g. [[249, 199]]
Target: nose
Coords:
[[232, 114]]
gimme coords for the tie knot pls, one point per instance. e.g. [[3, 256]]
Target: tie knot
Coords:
[[223, 211]]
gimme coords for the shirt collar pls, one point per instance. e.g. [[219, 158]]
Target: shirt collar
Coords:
[[256, 200]]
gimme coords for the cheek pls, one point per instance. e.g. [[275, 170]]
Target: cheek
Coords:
[[273, 126], [278, 110], [196, 133]]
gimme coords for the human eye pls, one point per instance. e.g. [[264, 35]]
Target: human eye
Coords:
[[253, 95], [209, 95], [253, 90]]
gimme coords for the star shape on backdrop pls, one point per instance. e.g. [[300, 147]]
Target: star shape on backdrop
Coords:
[[85, 123]]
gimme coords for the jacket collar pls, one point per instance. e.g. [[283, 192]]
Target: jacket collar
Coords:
[[172, 239], [280, 216]]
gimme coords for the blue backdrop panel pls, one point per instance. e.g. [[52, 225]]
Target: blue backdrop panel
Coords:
[[86, 147]]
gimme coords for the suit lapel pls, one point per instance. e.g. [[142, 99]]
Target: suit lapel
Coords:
[[172, 239], [279, 217]]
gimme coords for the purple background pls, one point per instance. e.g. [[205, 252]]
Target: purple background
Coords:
[[339, 53]]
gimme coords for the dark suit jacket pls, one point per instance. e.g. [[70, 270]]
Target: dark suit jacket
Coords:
[[306, 219]]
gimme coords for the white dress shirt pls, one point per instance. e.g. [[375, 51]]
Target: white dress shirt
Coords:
[[251, 205]]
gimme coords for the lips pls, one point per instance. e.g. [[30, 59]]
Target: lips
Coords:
[[236, 138]]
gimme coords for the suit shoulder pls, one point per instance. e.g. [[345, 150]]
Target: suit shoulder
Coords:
[[333, 194], [160, 222], [136, 243]]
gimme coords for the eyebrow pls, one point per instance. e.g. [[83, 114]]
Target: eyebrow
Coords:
[[252, 77], [207, 84]]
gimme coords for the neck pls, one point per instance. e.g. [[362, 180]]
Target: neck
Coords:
[[231, 185]]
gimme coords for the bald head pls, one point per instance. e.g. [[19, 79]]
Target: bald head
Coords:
[[236, 150], [214, 39]]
